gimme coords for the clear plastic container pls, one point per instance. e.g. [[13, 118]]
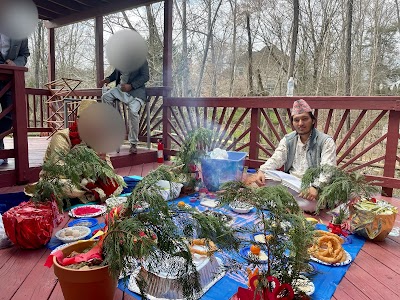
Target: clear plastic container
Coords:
[[218, 171]]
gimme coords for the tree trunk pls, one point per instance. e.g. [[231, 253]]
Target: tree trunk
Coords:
[[250, 54], [233, 59], [295, 32], [349, 22], [398, 14], [210, 27], [185, 62]]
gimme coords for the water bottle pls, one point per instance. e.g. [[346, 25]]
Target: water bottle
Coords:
[[290, 87]]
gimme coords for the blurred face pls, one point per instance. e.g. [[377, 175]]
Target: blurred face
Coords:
[[303, 123]]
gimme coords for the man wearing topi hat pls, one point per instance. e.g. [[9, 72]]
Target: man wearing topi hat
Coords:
[[303, 148], [62, 142]]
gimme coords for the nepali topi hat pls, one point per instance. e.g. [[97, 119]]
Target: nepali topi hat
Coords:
[[300, 106]]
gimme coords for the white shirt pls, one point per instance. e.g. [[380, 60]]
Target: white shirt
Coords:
[[4, 45], [300, 163]]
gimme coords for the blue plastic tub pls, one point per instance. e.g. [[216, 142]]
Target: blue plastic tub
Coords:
[[218, 171]]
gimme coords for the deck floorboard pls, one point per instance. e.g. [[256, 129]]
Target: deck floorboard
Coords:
[[374, 274]]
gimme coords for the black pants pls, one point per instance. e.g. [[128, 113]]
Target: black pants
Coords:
[[6, 121]]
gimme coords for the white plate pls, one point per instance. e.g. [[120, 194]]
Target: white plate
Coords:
[[209, 203], [115, 201], [346, 262], [101, 210], [240, 207], [82, 231], [305, 285]]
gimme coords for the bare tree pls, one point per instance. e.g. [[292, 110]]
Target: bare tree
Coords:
[[250, 55], [210, 26], [295, 30], [349, 22]]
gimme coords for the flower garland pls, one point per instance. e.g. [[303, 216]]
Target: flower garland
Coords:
[[74, 134]]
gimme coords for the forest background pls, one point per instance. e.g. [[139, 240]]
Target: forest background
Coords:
[[243, 47]]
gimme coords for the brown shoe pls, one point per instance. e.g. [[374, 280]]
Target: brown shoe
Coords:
[[133, 149]]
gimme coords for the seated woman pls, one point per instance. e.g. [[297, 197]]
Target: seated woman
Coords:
[[88, 190]]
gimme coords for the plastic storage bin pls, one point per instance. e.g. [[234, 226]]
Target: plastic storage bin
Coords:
[[218, 171]]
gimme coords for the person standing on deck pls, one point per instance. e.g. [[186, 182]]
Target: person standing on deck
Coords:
[[301, 149], [13, 53]]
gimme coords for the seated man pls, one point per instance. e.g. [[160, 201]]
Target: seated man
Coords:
[[62, 142], [130, 89], [297, 151]]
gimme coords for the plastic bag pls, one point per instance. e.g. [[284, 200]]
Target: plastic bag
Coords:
[[4, 241], [29, 225], [373, 221], [169, 190], [218, 153]]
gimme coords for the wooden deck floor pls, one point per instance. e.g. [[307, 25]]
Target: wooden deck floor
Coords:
[[37, 147], [374, 274]]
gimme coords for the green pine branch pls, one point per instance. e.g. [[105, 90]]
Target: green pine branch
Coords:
[[341, 187]]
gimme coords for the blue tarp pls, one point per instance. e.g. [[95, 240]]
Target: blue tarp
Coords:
[[325, 281]]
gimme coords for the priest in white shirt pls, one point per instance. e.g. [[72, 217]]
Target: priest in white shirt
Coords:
[[13, 53], [301, 149]]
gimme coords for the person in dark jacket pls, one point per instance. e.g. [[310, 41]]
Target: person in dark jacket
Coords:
[[13, 53], [131, 91]]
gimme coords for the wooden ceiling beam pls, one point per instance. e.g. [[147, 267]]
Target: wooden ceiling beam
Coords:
[[91, 3], [44, 14], [51, 7], [99, 10], [70, 5]]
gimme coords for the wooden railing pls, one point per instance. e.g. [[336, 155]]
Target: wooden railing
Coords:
[[366, 129], [12, 85], [38, 111]]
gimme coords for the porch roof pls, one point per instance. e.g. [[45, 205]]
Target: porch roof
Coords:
[[63, 12]]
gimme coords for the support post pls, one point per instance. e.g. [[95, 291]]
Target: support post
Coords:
[[167, 61], [392, 142], [167, 70], [51, 56], [99, 48], [254, 133], [20, 125]]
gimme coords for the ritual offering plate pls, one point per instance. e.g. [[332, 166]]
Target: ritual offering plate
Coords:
[[209, 203], [304, 285], [115, 201], [72, 234], [88, 222], [225, 218], [138, 208], [240, 207], [163, 272], [259, 237], [347, 260], [247, 254], [87, 211]]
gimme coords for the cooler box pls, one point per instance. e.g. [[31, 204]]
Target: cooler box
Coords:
[[218, 171]]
